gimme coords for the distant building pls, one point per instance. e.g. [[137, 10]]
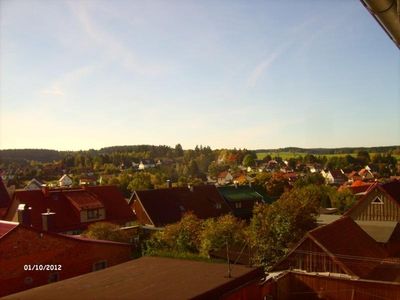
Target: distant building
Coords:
[[161, 207], [34, 184], [65, 181], [241, 199]]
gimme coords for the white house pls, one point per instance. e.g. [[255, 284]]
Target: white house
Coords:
[[65, 180], [34, 184]]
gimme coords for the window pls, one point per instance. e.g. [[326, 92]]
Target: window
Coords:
[[93, 214], [54, 277], [181, 208], [238, 205], [377, 200], [100, 265], [218, 205]]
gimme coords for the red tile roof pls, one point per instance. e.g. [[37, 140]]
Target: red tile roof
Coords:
[[166, 206], [67, 204], [82, 200], [350, 245]]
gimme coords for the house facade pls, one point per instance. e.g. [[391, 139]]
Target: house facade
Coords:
[[31, 258], [69, 210], [380, 203]]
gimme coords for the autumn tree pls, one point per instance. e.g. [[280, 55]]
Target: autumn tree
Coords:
[[219, 232], [106, 231], [274, 228], [183, 236]]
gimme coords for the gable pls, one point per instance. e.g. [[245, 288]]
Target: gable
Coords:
[[376, 205]]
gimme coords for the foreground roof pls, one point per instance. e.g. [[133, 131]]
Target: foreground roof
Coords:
[[149, 278]]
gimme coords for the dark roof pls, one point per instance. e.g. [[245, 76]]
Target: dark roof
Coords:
[[393, 189], [67, 203], [240, 193], [149, 278], [166, 206], [4, 198], [349, 244]]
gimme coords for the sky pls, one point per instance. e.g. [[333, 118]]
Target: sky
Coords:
[[85, 74]]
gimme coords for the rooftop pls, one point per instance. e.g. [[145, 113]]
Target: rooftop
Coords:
[[149, 278]]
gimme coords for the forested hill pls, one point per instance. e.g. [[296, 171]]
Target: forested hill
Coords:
[[47, 155], [327, 151]]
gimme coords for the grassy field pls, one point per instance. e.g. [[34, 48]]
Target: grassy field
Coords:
[[287, 155]]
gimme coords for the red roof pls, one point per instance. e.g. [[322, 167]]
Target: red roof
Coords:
[[350, 245], [166, 206], [82, 200], [67, 204], [6, 227]]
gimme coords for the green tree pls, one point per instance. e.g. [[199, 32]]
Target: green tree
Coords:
[[248, 161], [275, 228], [140, 181], [183, 236], [218, 232]]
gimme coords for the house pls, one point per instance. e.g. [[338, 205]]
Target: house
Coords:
[[241, 199], [157, 278], [69, 210], [161, 207], [146, 164], [65, 181], [334, 177], [56, 256], [88, 180], [380, 203], [340, 247], [366, 174], [298, 285], [34, 184], [5, 199], [224, 177], [358, 188]]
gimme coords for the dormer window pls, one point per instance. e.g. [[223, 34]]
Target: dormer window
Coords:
[[93, 214], [377, 200]]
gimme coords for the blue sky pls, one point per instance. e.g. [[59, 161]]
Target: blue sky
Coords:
[[260, 74]]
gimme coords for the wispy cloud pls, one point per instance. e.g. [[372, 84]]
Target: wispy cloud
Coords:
[[53, 91], [261, 68], [113, 49]]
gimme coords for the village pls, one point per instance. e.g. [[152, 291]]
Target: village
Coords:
[[266, 227]]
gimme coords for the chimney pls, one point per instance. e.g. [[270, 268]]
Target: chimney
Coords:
[[45, 191], [48, 219], [169, 184], [24, 214]]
